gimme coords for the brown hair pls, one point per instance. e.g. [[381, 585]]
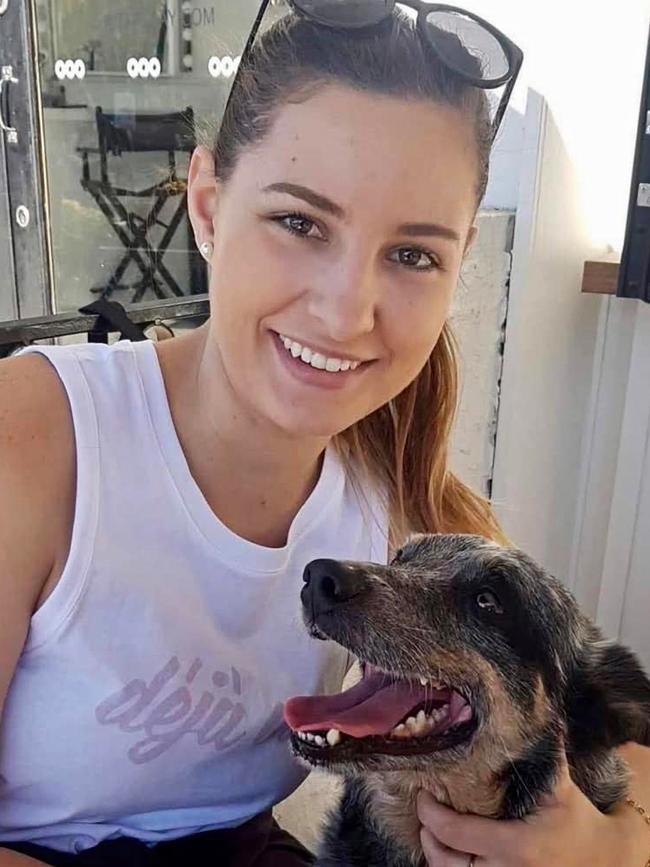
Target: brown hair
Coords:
[[403, 446]]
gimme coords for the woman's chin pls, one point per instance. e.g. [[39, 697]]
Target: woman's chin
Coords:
[[308, 426]]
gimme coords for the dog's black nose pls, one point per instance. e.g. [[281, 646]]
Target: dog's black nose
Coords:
[[329, 583]]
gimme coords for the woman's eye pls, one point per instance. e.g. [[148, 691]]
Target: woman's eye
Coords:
[[416, 259], [413, 258], [489, 601], [298, 224]]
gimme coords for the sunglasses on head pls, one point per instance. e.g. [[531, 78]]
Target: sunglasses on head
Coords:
[[476, 40]]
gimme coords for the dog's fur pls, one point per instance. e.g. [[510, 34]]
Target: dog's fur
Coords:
[[539, 676]]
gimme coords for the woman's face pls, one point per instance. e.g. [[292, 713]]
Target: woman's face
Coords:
[[337, 244]]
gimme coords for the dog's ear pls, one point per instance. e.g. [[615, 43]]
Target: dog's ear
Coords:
[[608, 699]]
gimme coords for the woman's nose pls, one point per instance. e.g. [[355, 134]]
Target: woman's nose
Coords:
[[345, 299]]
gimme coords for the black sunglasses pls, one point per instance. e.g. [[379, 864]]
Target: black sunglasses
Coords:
[[499, 57]]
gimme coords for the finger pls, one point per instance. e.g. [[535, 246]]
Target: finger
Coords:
[[438, 855], [464, 833]]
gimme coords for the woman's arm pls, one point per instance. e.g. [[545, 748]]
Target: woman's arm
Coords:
[[638, 760], [33, 412], [15, 859]]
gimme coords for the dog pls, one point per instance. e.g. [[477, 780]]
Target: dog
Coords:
[[478, 671]]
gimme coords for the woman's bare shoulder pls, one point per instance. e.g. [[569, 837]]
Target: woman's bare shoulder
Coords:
[[26, 378], [37, 470], [36, 492]]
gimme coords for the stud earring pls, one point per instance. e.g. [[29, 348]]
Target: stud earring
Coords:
[[206, 249]]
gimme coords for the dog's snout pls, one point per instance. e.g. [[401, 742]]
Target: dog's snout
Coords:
[[329, 583]]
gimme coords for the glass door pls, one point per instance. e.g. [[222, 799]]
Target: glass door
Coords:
[[8, 297], [25, 272], [117, 90]]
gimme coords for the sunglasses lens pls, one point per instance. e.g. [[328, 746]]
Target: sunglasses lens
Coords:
[[467, 46], [346, 13]]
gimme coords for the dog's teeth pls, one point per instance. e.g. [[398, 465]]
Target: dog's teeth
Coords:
[[421, 717], [310, 736], [320, 742], [412, 723], [400, 731], [424, 681], [333, 737], [302, 736]]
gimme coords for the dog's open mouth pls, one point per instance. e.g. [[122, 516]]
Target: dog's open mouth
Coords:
[[381, 714]]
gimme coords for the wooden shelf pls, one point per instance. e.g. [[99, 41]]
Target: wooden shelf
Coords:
[[600, 278]]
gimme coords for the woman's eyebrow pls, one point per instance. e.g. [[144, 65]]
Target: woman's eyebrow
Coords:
[[330, 207], [307, 195], [430, 229]]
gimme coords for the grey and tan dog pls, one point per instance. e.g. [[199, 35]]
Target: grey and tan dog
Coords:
[[477, 667]]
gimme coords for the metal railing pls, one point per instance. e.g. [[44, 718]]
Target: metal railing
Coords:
[[107, 317]]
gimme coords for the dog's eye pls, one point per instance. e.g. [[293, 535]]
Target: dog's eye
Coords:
[[489, 601]]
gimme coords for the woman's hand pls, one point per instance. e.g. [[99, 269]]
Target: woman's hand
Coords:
[[566, 831]]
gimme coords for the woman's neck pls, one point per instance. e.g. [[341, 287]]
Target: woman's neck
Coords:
[[254, 477]]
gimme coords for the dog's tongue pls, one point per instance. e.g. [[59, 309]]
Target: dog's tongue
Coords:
[[373, 707]]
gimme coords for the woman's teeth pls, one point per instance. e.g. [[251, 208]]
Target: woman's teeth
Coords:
[[315, 359]]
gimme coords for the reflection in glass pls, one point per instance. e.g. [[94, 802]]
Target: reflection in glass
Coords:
[[106, 35], [123, 85]]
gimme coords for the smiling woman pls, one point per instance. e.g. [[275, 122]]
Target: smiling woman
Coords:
[[362, 244], [343, 278], [166, 498]]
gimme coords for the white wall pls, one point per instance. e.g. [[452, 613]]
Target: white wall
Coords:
[[586, 61], [548, 352], [584, 70], [624, 593], [601, 445], [478, 321]]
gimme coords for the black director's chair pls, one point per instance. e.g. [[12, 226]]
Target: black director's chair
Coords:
[[120, 133]]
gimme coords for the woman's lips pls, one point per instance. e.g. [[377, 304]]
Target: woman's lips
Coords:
[[309, 375]]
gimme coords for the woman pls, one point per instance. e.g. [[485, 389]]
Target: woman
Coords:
[[158, 503]]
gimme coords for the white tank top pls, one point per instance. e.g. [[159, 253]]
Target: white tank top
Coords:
[[148, 699]]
